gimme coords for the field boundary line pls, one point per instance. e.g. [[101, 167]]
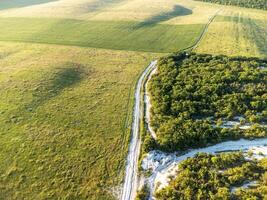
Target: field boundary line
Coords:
[[206, 27]]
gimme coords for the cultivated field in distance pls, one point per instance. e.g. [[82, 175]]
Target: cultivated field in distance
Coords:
[[237, 32], [151, 26]]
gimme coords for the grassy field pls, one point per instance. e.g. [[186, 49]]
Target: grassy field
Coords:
[[135, 36], [63, 126], [235, 32]]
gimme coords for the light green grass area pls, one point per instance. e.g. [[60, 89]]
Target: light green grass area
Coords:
[[237, 32], [64, 120], [111, 35]]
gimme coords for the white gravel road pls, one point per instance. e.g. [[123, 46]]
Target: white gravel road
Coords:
[[130, 181]]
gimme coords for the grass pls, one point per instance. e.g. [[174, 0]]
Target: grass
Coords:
[[63, 127], [8, 4], [178, 11], [110, 35], [54, 8], [140, 10], [239, 32], [165, 16]]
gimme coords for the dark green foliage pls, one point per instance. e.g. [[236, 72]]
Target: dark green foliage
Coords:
[[149, 143], [143, 194], [259, 4], [191, 94], [207, 176]]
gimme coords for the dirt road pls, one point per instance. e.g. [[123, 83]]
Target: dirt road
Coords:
[[130, 181]]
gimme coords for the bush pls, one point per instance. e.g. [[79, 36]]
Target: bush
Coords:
[[143, 193], [259, 4]]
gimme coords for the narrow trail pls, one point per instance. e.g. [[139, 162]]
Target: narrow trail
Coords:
[[131, 174], [130, 181]]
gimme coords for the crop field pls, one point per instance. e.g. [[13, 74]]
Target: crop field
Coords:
[[237, 32], [150, 26], [63, 126], [111, 35]]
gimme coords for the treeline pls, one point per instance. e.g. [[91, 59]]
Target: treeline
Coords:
[[258, 4], [191, 94], [213, 177]]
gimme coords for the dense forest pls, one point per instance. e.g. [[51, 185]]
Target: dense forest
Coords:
[[192, 96], [214, 177], [258, 4]]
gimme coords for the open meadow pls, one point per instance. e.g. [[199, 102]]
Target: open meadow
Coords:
[[65, 119]]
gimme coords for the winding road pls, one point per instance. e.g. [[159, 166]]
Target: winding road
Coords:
[[131, 174]]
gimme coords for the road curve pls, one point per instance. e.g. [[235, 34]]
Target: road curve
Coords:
[[131, 175]]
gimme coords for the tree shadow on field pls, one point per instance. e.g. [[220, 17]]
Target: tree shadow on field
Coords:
[[165, 16], [67, 75], [7, 4]]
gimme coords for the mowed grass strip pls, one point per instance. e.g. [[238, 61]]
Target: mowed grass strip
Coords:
[[63, 128], [161, 38], [237, 33]]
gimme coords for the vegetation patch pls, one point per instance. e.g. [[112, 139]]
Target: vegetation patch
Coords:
[[259, 4], [143, 193], [192, 94], [208, 176]]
